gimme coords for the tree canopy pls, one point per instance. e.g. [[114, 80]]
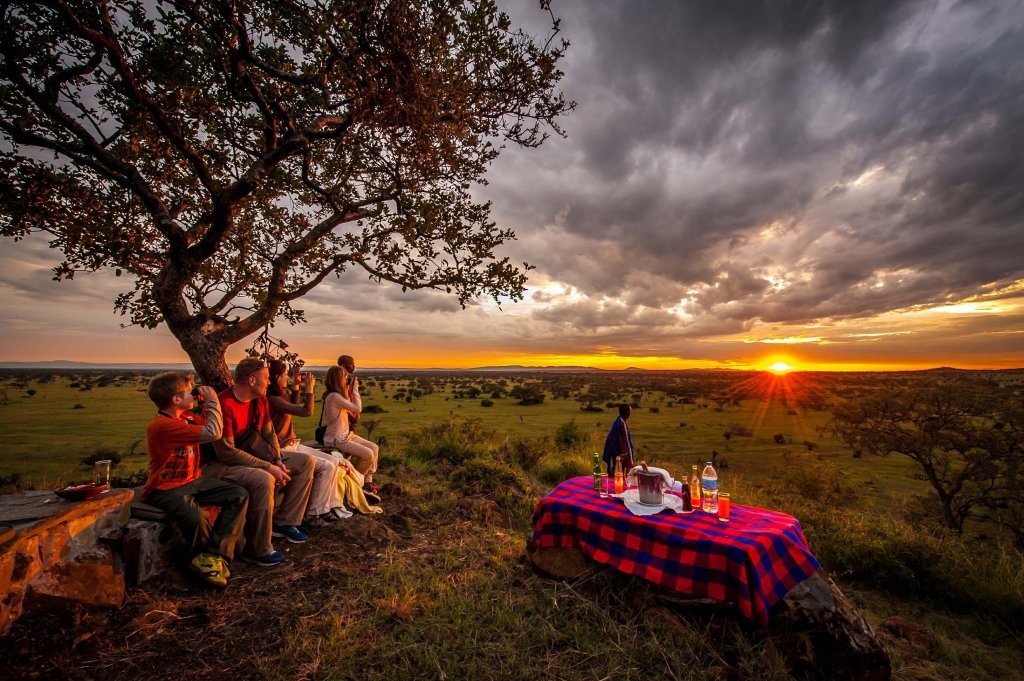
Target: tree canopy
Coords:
[[228, 156]]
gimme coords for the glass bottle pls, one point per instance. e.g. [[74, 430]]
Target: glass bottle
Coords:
[[695, 487], [597, 472], [620, 479]]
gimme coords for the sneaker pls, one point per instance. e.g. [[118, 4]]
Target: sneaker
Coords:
[[271, 559], [371, 497], [370, 487], [315, 522], [210, 568], [291, 533]]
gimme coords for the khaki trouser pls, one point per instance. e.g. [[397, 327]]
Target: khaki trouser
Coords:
[[324, 495], [263, 511], [362, 450]]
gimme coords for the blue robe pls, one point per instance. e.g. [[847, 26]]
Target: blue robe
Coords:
[[619, 441]]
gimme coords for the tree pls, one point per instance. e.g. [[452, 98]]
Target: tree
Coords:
[[967, 442], [230, 155]]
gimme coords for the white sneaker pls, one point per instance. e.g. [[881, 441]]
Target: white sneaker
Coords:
[[340, 512]]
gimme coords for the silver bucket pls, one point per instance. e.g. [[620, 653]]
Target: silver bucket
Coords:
[[651, 488]]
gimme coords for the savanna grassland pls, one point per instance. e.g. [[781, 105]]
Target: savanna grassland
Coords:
[[445, 591]]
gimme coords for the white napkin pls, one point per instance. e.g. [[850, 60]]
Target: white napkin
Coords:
[[669, 480]]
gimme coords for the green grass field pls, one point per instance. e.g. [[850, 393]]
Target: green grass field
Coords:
[[46, 437]]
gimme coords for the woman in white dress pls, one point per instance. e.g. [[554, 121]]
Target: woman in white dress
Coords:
[[339, 401]]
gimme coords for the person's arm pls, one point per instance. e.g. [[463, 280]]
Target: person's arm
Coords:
[[278, 403], [355, 405], [214, 426], [229, 454]]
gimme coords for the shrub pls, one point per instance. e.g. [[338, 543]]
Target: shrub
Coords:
[[570, 435], [553, 472], [740, 430], [524, 453], [452, 442], [779, 438], [374, 409], [102, 454], [486, 403], [654, 410], [591, 408], [487, 476]]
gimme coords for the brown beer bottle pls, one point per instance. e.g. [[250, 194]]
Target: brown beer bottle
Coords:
[[620, 479]]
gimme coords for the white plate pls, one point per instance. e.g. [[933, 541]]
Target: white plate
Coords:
[[631, 497]]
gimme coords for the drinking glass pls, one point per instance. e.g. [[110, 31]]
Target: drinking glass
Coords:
[[604, 485], [101, 472], [724, 502]]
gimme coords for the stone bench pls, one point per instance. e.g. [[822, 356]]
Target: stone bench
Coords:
[[61, 549]]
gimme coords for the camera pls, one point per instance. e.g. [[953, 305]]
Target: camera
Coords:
[[195, 392]]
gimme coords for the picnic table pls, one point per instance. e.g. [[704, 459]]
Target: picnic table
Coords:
[[753, 560]]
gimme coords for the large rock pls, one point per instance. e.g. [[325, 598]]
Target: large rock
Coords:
[[561, 563], [59, 550], [823, 636]]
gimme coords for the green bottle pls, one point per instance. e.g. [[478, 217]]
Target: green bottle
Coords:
[[597, 472]]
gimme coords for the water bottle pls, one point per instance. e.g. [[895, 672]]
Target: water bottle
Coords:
[[597, 472], [709, 489]]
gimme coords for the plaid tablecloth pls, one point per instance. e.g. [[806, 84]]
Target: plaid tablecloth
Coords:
[[752, 561]]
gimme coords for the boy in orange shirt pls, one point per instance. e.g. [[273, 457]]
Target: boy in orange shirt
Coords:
[[176, 484]]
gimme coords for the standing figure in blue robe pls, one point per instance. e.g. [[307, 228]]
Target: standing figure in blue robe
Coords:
[[619, 442]]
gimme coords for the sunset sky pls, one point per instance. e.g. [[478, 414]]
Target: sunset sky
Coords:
[[742, 183]]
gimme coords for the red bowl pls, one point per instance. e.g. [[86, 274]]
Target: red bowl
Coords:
[[81, 492]]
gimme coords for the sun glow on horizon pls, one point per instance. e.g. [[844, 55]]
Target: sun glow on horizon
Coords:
[[780, 367]]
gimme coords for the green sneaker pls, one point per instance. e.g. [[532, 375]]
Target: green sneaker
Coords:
[[224, 569], [210, 568]]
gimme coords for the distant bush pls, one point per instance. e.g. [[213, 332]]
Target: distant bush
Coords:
[[779, 438], [740, 430], [451, 442], [102, 454], [570, 435], [486, 403], [374, 409], [524, 453], [79, 406], [591, 408], [654, 410]]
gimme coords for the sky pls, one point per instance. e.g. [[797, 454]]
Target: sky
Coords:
[[837, 185]]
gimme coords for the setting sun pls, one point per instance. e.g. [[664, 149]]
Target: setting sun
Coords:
[[781, 367]]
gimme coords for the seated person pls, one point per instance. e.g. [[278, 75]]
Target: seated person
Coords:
[[619, 442], [340, 400], [176, 484], [248, 454], [325, 499]]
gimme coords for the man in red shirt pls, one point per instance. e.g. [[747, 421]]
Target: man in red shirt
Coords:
[[248, 454], [176, 484]]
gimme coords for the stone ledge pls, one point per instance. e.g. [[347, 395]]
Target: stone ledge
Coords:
[[57, 549]]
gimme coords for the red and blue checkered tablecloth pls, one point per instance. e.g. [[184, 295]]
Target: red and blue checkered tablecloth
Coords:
[[753, 560]]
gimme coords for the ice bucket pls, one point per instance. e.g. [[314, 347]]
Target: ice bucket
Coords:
[[651, 488]]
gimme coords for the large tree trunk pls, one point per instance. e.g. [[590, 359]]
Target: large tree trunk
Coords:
[[207, 357]]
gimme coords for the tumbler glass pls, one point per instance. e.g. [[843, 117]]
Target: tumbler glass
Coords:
[[724, 503], [604, 485], [101, 472]]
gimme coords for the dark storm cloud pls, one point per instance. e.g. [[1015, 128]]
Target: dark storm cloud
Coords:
[[700, 123]]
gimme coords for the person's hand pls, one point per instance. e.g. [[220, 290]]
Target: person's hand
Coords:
[[355, 384], [207, 394], [308, 381], [280, 474]]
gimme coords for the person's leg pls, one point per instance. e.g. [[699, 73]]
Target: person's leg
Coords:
[[296, 492], [233, 500], [260, 486], [372, 446], [362, 456], [180, 505], [325, 495]]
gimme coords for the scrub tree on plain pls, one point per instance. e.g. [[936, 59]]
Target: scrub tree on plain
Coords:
[[226, 157]]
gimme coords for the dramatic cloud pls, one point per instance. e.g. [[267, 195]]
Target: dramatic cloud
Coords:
[[839, 178]]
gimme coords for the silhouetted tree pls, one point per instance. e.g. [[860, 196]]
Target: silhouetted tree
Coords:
[[230, 155]]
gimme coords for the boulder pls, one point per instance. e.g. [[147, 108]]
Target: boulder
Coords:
[[562, 563], [821, 635]]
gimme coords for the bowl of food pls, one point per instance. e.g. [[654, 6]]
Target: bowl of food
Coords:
[[81, 492]]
